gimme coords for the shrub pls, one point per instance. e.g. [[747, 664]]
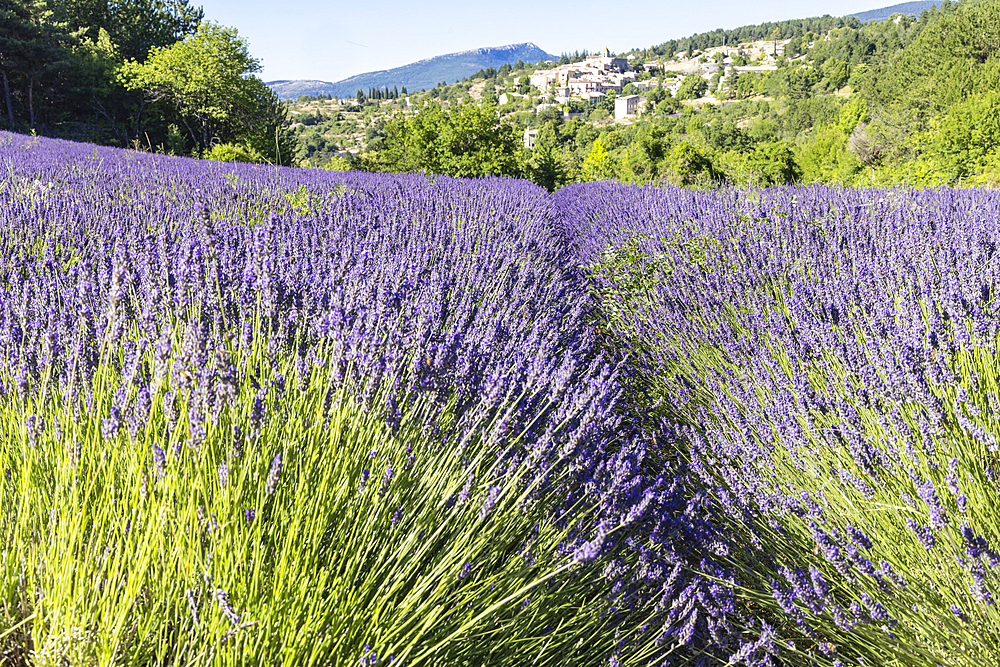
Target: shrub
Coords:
[[229, 153]]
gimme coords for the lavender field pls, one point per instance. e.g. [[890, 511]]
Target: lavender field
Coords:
[[261, 415]]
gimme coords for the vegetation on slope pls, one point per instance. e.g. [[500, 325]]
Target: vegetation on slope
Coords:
[[910, 99]]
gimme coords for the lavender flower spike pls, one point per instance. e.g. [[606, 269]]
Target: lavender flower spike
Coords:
[[274, 475]]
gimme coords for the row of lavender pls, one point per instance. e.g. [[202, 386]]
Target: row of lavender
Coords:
[[825, 360], [241, 406]]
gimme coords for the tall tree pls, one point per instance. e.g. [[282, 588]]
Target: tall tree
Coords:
[[134, 26], [16, 34], [546, 168], [48, 54], [32, 45], [208, 80], [599, 165], [205, 78], [469, 142], [264, 125]]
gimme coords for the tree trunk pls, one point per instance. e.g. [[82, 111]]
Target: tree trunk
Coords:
[[99, 109], [136, 129], [194, 137], [6, 96]]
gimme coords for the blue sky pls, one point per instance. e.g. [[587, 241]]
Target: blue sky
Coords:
[[329, 41]]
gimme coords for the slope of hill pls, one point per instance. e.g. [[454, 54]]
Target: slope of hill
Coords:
[[904, 8], [422, 74]]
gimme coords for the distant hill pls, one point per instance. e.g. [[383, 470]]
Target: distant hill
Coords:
[[904, 8], [423, 74]]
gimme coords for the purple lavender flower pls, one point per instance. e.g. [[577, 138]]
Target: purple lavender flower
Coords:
[[227, 610], [386, 478], [589, 550], [463, 495], [489, 502], [192, 607], [882, 288], [273, 475], [111, 425], [976, 546], [368, 657], [962, 502], [938, 515], [923, 533], [159, 461], [32, 429]]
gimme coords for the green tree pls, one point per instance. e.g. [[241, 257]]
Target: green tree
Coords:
[[692, 87], [17, 33], [471, 141], [207, 79], [545, 167], [337, 163], [654, 97], [134, 26], [840, 74], [939, 67], [265, 128], [774, 37], [773, 163], [643, 160], [93, 90], [33, 44], [824, 157], [799, 81], [967, 137], [689, 165], [745, 84], [599, 165]]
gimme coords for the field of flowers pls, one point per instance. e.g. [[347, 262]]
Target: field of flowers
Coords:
[[257, 415], [826, 360]]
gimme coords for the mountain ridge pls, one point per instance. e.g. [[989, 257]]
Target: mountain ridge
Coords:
[[422, 74], [883, 13]]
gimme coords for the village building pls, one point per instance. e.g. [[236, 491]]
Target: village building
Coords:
[[605, 62], [627, 105], [594, 77], [530, 135]]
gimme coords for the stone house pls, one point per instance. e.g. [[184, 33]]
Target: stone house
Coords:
[[627, 105]]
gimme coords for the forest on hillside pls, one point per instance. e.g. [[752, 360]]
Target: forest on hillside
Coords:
[[911, 99]]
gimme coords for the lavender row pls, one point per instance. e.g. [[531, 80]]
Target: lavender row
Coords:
[[455, 291], [825, 359]]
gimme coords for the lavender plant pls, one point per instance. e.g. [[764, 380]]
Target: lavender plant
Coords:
[[256, 415], [823, 360]]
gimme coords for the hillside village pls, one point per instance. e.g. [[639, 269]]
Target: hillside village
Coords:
[[622, 85], [598, 75]]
